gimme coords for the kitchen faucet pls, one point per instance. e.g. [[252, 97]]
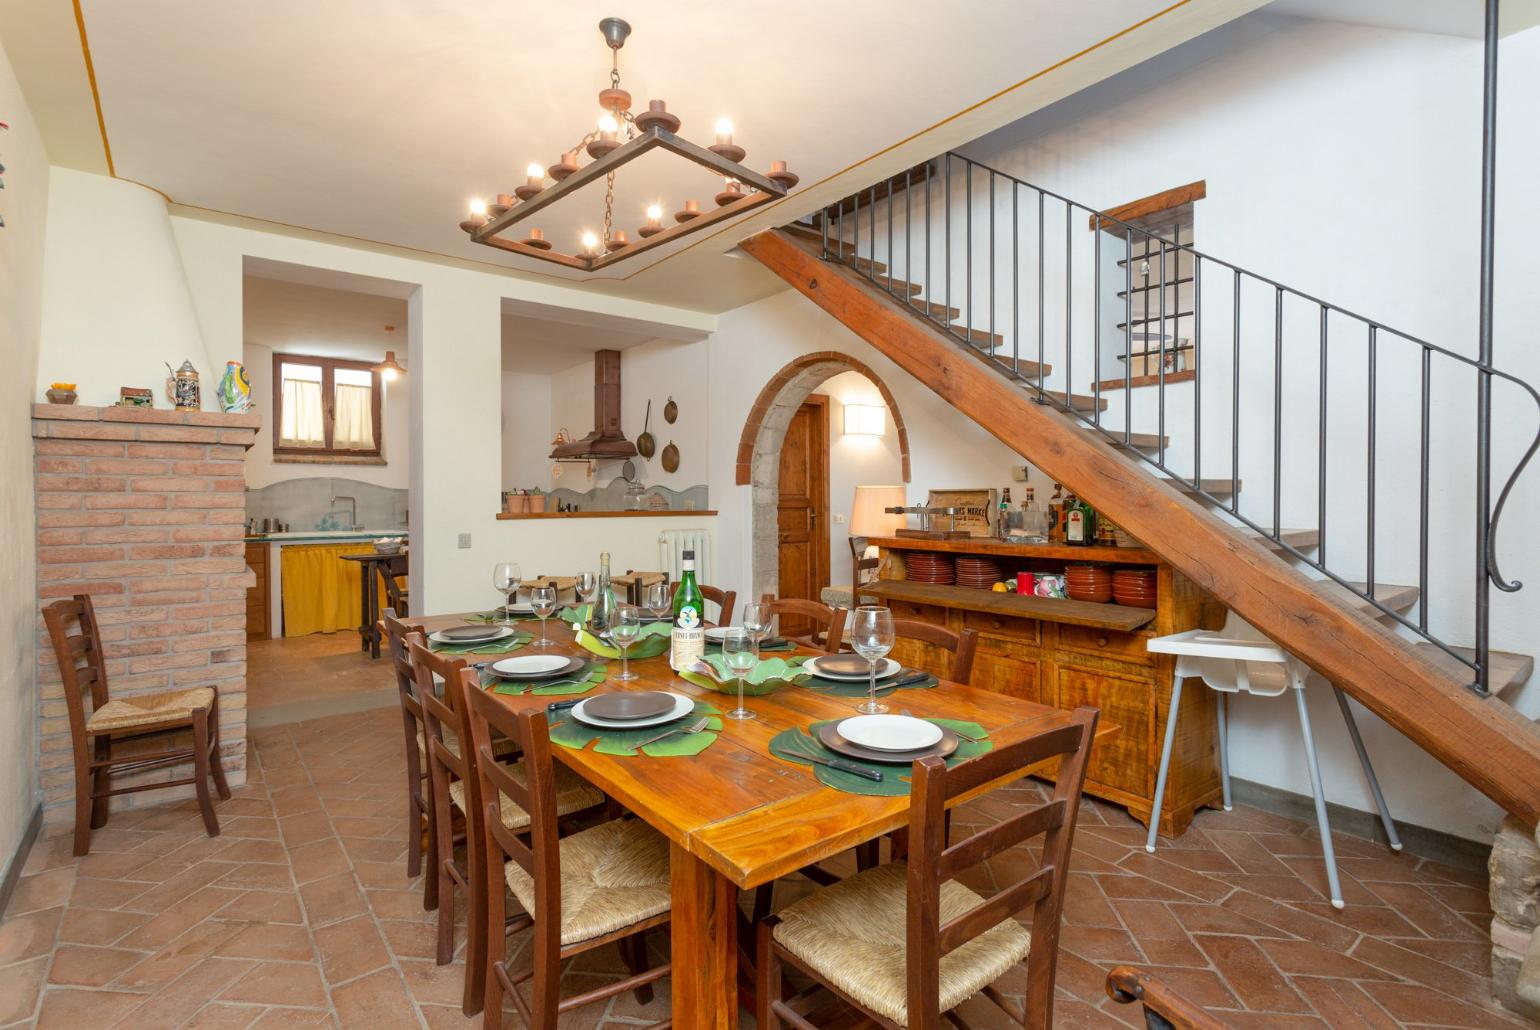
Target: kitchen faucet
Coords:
[[353, 513]]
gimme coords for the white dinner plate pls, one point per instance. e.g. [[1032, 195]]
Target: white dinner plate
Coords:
[[890, 732], [717, 634], [885, 668], [531, 665], [517, 609], [682, 706], [494, 634]]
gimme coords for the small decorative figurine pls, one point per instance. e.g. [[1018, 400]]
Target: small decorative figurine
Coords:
[[135, 397], [182, 387], [235, 388], [62, 393]]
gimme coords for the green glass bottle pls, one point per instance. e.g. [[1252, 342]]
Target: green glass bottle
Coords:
[[687, 641], [1079, 523], [602, 611]]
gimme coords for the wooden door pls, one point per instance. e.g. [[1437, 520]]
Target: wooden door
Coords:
[[802, 515]]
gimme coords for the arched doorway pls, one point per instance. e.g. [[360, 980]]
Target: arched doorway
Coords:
[[759, 448]]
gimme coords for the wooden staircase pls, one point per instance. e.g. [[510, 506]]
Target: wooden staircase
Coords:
[[1416, 687]]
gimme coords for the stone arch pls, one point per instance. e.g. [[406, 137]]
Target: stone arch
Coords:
[[759, 447]]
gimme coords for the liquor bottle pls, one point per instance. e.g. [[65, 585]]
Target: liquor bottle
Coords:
[[1079, 523], [1056, 514], [1002, 523], [603, 611], [687, 640]]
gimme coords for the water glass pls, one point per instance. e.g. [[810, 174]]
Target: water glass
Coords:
[[871, 635], [506, 578], [623, 631], [587, 586], [543, 600], [757, 623], [738, 648], [660, 600]]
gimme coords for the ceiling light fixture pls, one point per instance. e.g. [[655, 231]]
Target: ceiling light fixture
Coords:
[[619, 137], [390, 368]]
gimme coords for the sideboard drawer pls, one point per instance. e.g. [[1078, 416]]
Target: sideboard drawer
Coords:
[[1026, 630], [1126, 647]]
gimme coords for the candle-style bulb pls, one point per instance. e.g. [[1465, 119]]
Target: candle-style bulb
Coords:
[[654, 212], [607, 123], [534, 171], [590, 241], [724, 127], [479, 207]]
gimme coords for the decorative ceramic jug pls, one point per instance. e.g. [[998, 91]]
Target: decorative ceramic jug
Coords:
[[182, 387], [235, 388]]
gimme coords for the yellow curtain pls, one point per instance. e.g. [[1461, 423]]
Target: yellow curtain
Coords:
[[353, 427], [301, 414], [320, 590]]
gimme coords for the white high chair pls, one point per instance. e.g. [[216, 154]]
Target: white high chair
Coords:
[[1240, 659]]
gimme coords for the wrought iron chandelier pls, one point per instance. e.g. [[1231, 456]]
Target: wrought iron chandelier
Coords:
[[618, 138]]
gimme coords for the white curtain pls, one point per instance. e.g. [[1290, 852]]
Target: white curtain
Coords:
[[353, 428], [302, 422]]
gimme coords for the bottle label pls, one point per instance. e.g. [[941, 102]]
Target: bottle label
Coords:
[[686, 646], [1074, 527]]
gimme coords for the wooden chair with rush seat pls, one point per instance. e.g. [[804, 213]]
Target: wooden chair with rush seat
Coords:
[[927, 942], [419, 806], [828, 632], [961, 645], [113, 722], [725, 600], [605, 884], [454, 789]]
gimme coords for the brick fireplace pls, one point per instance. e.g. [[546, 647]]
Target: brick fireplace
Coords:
[[144, 509]]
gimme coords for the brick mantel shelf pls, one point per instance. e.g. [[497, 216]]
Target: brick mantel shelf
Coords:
[[144, 509]]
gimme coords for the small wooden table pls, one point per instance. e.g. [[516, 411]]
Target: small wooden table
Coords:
[[369, 597], [735, 817]]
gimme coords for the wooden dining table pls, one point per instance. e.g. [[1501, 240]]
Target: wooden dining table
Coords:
[[737, 817]]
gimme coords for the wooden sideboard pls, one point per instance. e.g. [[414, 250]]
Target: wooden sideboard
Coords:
[[1070, 653], [257, 618]]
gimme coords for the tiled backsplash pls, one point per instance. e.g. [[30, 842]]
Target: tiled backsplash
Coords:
[[309, 504]]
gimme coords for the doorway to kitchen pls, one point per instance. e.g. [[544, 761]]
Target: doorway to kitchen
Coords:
[[802, 508]]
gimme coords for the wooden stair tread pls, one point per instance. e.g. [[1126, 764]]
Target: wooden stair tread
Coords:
[[1215, 487], [1509, 671], [1079, 401], [1138, 441], [1397, 597], [1299, 539], [1050, 609]]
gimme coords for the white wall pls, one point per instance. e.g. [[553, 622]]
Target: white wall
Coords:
[[1343, 161], [115, 303], [526, 430], [854, 461], [396, 428], [24, 203]]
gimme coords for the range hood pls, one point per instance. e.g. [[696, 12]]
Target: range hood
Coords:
[[606, 441]]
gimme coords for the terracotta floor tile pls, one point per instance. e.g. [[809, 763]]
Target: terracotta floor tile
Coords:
[[319, 859], [350, 949], [1343, 1005], [279, 983], [282, 1019], [184, 996], [1414, 1003], [69, 1008], [1289, 922], [257, 876], [219, 1015], [20, 983], [1422, 970], [30, 935], [1424, 911], [178, 956], [433, 984], [332, 898], [1250, 974], [90, 892], [180, 917], [269, 941], [263, 907], [77, 966], [1310, 959], [375, 1002], [48, 889]]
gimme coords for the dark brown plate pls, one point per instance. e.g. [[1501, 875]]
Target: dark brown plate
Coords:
[[630, 704], [844, 664], [572, 666], [829, 736], [470, 634]]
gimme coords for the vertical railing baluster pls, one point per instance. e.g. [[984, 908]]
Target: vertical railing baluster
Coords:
[[991, 264], [1042, 378], [1128, 335], [823, 224], [1160, 359], [871, 234], [1322, 453], [1069, 309], [908, 236], [930, 298], [1278, 413], [1197, 367], [1373, 416], [1096, 325], [1235, 401], [946, 237], [1484, 563], [968, 243], [1016, 279], [1422, 499], [889, 228]]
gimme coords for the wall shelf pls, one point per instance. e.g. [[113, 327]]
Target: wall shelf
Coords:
[[1049, 609]]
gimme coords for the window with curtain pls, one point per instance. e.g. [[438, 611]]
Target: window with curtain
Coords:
[[326, 407]]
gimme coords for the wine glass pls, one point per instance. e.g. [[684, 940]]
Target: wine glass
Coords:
[[738, 647], [871, 636], [757, 622], [587, 586], [660, 600], [506, 578], [543, 600], [625, 628]]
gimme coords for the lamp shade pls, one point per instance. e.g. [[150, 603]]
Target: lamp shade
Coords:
[[867, 517]]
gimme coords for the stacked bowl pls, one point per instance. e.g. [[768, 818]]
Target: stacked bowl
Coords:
[[1088, 583], [979, 573], [1134, 587], [926, 567]]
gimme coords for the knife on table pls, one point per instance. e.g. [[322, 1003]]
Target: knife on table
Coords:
[[846, 767]]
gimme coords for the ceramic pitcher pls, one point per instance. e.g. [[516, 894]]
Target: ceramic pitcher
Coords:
[[235, 388]]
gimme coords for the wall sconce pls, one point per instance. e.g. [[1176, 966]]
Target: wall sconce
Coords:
[[865, 420]]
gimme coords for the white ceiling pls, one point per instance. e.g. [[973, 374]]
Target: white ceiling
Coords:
[[543, 346], [303, 319], [1442, 17]]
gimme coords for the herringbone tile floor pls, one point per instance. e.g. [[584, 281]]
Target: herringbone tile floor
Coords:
[[301, 914]]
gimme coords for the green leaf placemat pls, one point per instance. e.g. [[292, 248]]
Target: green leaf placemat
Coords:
[[649, 643], [795, 745], [860, 688], [505, 646], [494, 617], [714, 647], [577, 735], [590, 676], [765, 678]]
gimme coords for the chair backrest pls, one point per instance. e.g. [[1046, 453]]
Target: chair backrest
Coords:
[[393, 572], [541, 856], [932, 861], [395, 632], [962, 645], [828, 623], [725, 600], [445, 764], [82, 665]]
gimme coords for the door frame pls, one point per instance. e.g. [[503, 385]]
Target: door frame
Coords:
[[819, 531]]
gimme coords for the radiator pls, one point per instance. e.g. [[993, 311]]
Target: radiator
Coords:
[[672, 543]]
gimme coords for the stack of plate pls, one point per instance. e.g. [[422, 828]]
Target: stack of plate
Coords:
[[899, 739], [926, 567], [537, 667], [981, 573], [632, 709], [1134, 587], [1088, 583], [468, 635]]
